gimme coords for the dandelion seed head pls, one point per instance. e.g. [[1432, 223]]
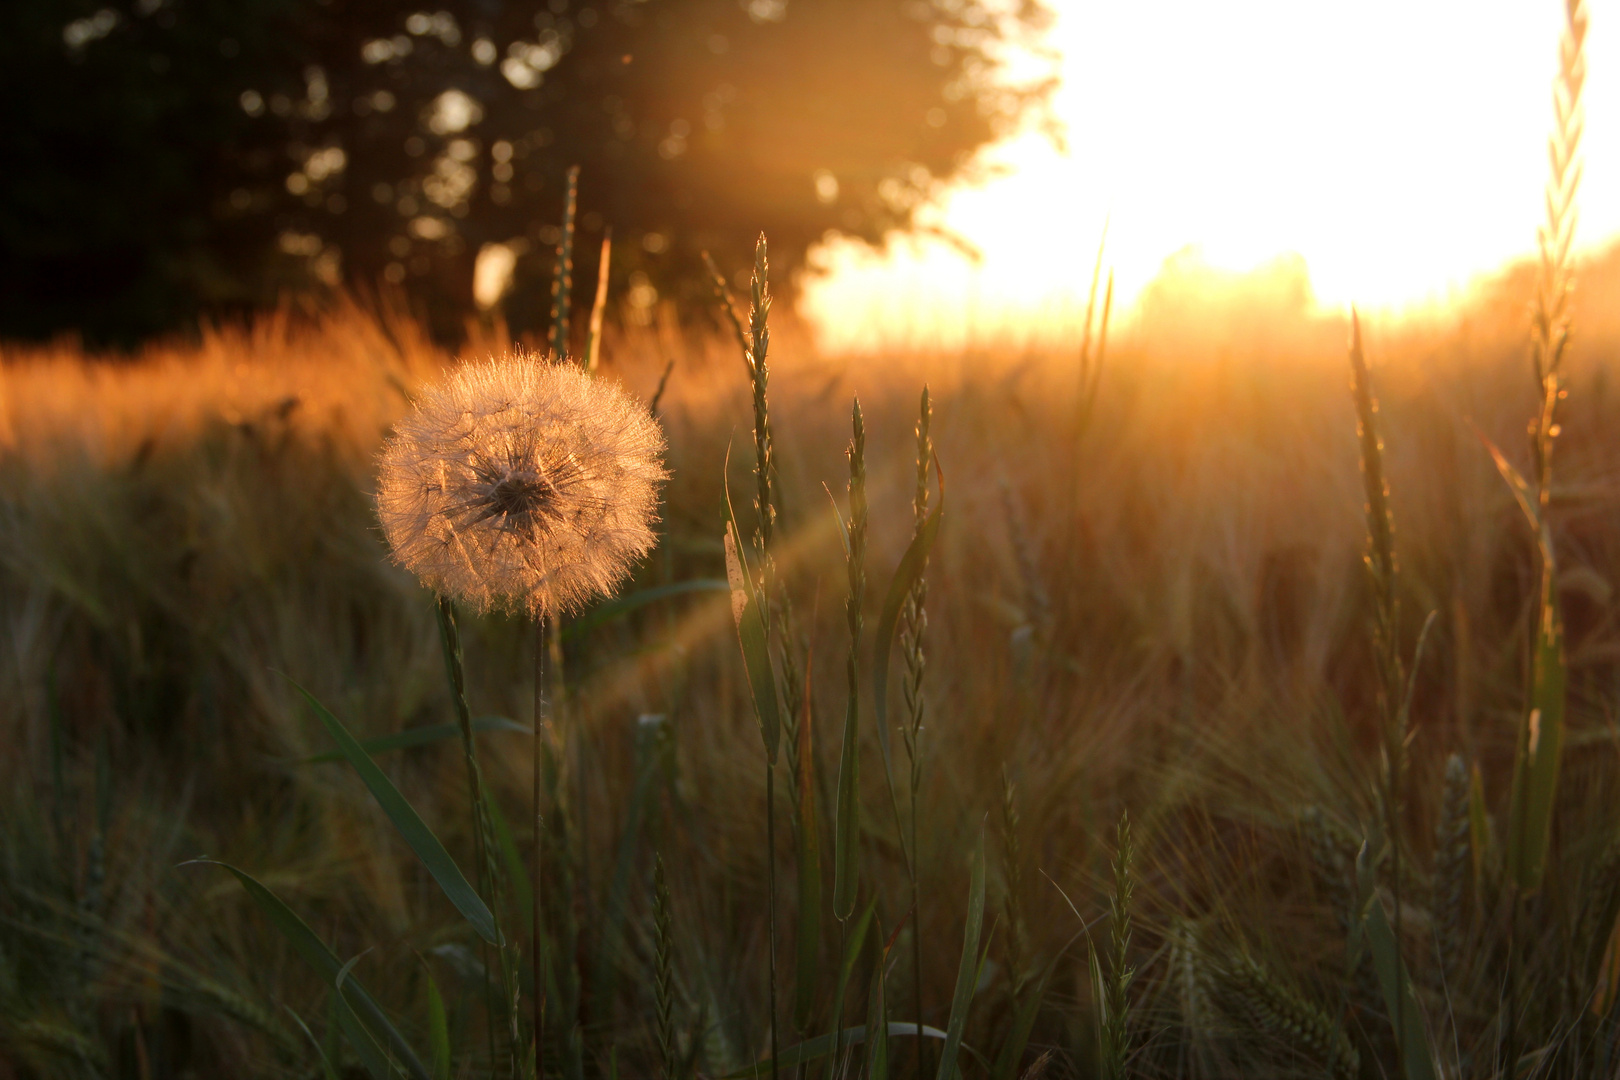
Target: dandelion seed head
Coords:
[[520, 484]]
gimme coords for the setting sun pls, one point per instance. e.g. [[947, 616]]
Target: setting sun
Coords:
[[1398, 147]]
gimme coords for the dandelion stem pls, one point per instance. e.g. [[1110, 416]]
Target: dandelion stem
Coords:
[[542, 716], [450, 641]]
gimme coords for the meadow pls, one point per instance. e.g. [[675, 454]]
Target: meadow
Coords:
[[1143, 705], [1147, 597]]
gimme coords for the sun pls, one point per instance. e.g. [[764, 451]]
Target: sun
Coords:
[[1397, 146]]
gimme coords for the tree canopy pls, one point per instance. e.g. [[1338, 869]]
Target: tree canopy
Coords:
[[175, 158]]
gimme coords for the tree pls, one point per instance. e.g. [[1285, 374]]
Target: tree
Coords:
[[183, 157]]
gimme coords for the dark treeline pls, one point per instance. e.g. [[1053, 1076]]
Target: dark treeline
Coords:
[[170, 159]]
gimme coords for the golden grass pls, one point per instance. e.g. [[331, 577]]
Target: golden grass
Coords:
[[1165, 611]]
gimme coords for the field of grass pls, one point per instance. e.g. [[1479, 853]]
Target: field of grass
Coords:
[[1155, 604], [1147, 706]]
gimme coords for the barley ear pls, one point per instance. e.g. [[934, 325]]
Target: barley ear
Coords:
[[1116, 1029], [664, 975], [1283, 1012], [1452, 860]]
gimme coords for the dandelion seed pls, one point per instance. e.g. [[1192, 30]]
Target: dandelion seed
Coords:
[[522, 485]]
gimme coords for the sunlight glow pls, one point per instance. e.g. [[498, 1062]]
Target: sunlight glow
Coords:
[[1398, 146]]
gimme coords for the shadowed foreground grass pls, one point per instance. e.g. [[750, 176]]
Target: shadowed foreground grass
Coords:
[[1157, 605]]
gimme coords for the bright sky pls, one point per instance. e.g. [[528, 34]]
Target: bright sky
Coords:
[[1397, 145]]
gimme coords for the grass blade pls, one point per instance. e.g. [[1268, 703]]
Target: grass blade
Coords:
[[328, 1069], [593, 343], [747, 613], [371, 1055], [852, 953], [1023, 1023], [1540, 748], [809, 863], [1541, 735], [1399, 998], [438, 1030], [847, 819], [877, 1011], [314, 952], [847, 814], [411, 826], [967, 973]]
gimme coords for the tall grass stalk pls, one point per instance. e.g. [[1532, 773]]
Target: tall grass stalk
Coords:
[[593, 343], [542, 723], [913, 628], [562, 277], [759, 334], [1540, 745], [722, 299], [1117, 1021], [455, 671], [847, 839], [1382, 575]]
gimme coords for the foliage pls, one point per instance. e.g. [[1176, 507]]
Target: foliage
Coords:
[[182, 157]]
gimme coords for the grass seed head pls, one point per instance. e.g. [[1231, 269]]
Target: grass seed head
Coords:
[[523, 485]]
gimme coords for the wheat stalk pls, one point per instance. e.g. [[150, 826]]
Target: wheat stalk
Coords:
[[1116, 1030], [1452, 857], [913, 627]]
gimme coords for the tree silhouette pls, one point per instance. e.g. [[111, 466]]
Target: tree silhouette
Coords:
[[178, 158]]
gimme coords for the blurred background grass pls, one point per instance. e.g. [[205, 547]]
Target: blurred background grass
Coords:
[[1157, 604]]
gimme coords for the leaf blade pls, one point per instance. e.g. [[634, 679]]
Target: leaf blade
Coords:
[[968, 971], [412, 828], [325, 963]]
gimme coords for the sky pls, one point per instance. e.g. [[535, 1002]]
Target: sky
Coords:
[[1397, 146]]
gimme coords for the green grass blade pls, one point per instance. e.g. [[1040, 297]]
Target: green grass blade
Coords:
[[314, 952], [808, 966], [1540, 748], [852, 953], [1515, 482], [517, 871], [426, 735], [1541, 736], [328, 1069], [847, 817], [411, 826], [877, 1012], [1398, 996], [1023, 1023], [748, 613], [371, 1055], [967, 974], [438, 1030], [877, 1048], [912, 565]]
